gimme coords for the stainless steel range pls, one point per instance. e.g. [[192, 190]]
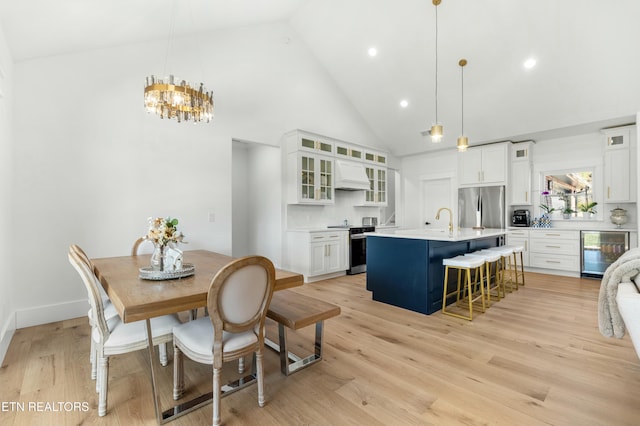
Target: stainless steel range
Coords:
[[357, 247]]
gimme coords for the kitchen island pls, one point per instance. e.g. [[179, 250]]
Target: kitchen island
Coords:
[[404, 267]]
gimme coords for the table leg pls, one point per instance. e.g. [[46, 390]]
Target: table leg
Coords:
[[152, 360]]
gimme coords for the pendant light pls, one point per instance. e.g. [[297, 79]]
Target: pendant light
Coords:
[[436, 131], [173, 97], [463, 141]]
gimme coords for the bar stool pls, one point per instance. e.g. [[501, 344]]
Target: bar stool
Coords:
[[491, 260], [519, 269], [505, 264], [466, 264]]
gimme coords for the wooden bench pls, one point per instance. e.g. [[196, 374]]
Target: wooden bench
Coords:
[[295, 311]]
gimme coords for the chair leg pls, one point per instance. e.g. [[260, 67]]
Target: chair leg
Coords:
[[260, 374], [241, 365], [103, 381], [162, 349], [92, 358], [178, 373], [216, 396]]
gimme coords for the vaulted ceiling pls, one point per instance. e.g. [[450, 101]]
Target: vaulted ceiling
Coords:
[[587, 74]]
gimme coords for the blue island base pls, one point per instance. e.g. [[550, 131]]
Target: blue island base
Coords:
[[408, 273]]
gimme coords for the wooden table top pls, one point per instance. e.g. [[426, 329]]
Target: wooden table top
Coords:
[[137, 299]]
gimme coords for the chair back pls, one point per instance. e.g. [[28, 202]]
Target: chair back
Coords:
[[239, 296], [92, 286], [142, 246]]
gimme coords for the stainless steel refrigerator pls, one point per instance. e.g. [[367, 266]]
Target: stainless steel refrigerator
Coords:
[[488, 200]]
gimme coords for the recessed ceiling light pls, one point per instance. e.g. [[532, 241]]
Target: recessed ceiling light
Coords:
[[529, 63], [372, 51], [404, 103]]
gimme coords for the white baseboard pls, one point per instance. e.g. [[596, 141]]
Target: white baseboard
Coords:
[[51, 313], [6, 334]]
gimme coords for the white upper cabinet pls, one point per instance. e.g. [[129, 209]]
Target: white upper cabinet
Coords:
[[520, 175], [311, 179], [376, 195], [299, 140], [619, 176], [350, 152], [483, 165], [375, 157]]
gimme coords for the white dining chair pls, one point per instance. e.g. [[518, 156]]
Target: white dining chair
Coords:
[[112, 336], [109, 311], [238, 300]]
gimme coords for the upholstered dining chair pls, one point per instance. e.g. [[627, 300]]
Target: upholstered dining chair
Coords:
[[113, 337], [109, 310], [109, 313], [238, 299]]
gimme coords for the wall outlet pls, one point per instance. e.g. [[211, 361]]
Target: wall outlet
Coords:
[[212, 217]]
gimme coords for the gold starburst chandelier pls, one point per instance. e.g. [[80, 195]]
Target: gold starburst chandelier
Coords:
[[180, 101]]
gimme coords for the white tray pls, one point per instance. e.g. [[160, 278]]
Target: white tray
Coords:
[[147, 273]]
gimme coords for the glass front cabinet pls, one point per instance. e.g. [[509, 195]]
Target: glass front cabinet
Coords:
[[315, 177], [376, 195]]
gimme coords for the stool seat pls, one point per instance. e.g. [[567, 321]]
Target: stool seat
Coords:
[[463, 262], [488, 255], [503, 250], [516, 249]]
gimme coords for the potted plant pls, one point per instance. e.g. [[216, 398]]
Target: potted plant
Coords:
[[588, 209], [547, 209], [567, 212]]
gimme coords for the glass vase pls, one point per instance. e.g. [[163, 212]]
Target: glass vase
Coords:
[[157, 258]]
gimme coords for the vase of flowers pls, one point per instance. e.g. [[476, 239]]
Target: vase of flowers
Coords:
[[163, 232]]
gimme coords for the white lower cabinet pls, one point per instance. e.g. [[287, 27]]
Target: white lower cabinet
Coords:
[[555, 249], [520, 238], [316, 254]]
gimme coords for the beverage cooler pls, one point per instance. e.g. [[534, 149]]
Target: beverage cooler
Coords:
[[599, 249]]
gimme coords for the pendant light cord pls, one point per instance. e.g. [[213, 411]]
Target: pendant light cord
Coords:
[[462, 102], [436, 64], [170, 41]]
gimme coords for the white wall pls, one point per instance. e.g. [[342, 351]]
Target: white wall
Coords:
[[91, 166], [7, 322]]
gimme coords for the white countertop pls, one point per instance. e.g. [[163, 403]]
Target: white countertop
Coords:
[[318, 229], [440, 234], [584, 227]]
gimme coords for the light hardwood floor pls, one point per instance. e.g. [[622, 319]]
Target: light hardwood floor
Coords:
[[534, 358]]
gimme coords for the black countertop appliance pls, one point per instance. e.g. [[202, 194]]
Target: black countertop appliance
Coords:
[[520, 218]]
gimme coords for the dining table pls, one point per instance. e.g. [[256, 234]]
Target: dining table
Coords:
[[138, 299]]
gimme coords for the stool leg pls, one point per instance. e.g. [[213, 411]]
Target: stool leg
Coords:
[[444, 292], [487, 266], [458, 288], [468, 274], [522, 267], [515, 269]]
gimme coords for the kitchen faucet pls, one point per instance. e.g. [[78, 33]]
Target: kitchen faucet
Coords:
[[450, 217]]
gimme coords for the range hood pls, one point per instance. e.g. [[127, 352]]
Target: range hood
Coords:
[[351, 176]]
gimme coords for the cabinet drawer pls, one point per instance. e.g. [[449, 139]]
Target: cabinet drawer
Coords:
[[555, 235], [553, 247], [518, 234], [326, 236], [555, 261]]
